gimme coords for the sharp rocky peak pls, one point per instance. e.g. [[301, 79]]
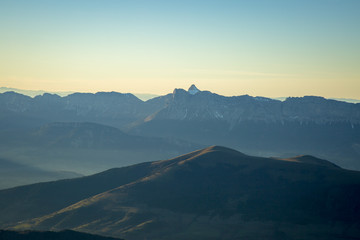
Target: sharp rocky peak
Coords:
[[193, 89]]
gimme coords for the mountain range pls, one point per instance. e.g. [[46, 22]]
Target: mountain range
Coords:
[[211, 193], [119, 109], [261, 126], [86, 133], [116, 109], [34, 93], [142, 96]]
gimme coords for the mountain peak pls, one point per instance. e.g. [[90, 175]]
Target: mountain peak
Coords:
[[193, 89]]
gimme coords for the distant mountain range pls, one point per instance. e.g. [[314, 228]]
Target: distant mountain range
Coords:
[[34, 93], [256, 125], [348, 100], [116, 109], [142, 96], [212, 193]]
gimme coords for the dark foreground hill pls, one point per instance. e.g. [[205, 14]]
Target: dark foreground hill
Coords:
[[63, 235], [214, 193]]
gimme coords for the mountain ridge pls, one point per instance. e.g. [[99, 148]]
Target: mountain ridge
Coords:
[[142, 96], [207, 100], [77, 102]]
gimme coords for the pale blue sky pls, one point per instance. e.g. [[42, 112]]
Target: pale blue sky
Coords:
[[268, 48]]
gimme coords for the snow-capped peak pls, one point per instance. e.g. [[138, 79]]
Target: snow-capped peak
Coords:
[[193, 89]]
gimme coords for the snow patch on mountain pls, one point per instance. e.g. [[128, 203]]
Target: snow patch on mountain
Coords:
[[193, 89]]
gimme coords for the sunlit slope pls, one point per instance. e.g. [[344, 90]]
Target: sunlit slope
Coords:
[[211, 193]]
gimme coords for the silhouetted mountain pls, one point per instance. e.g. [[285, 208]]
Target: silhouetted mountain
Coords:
[[214, 193], [63, 235], [349, 100], [32, 93], [111, 108]]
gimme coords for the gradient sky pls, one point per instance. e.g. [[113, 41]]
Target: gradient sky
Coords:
[[267, 48]]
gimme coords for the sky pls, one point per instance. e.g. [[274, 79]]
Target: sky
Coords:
[[272, 48]]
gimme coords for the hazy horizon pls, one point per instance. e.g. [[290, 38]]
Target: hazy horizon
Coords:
[[261, 48]]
